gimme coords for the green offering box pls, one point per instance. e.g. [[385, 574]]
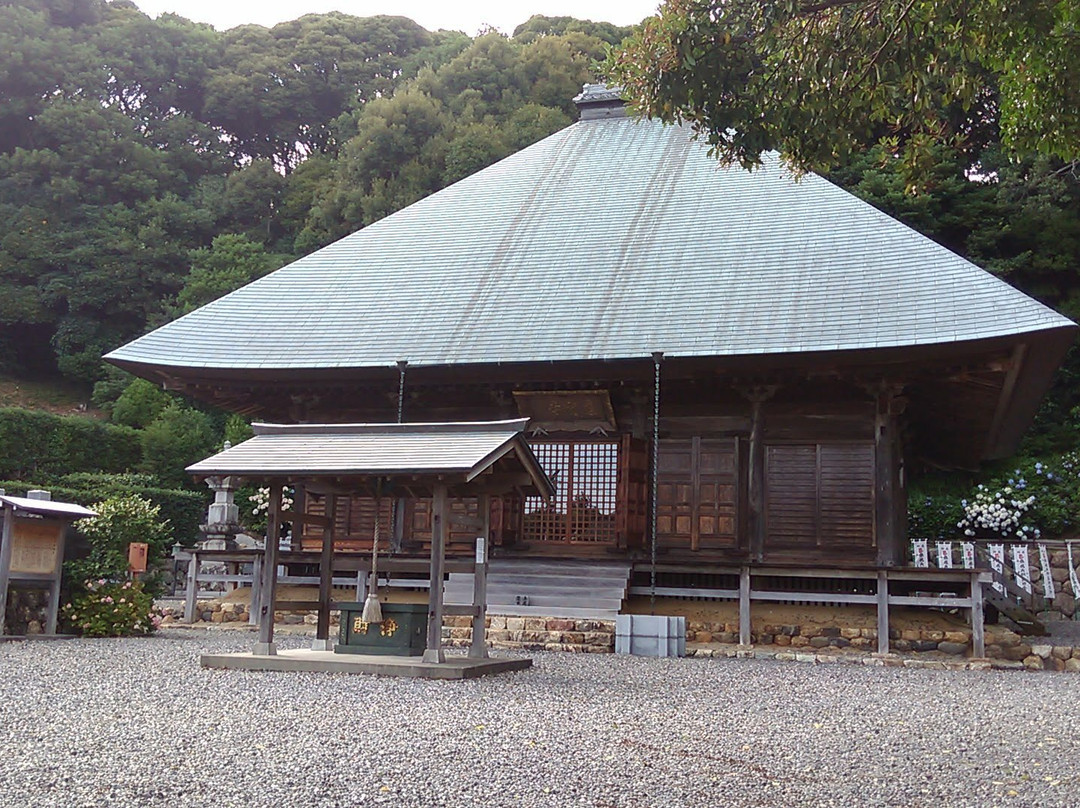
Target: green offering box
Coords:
[[403, 631]]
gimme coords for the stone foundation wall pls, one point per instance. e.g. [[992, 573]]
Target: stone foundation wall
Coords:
[[27, 609], [1064, 604], [535, 634], [817, 637]]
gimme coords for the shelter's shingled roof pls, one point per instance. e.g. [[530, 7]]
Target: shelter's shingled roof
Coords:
[[610, 239], [464, 450]]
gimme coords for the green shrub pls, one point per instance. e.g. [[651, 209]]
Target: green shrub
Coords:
[[140, 403], [119, 522], [111, 609]]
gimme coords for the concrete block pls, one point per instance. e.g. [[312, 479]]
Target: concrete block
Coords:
[[650, 635]]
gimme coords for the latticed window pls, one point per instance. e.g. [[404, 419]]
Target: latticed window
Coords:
[[586, 477]]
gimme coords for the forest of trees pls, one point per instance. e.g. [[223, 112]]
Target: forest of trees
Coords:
[[148, 166]]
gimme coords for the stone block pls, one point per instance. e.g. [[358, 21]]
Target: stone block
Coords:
[[1033, 663], [850, 633], [496, 622], [1016, 653], [766, 639], [535, 624], [806, 657], [924, 645], [498, 635], [957, 636], [952, 647], [871, 634], [515, 623], [1003, 637], [799, 642], [1054, 664], [703, 636], [839, 642], [1072, 665], [933, 635], [830, 631], [819, 642], [782, 640], [216, 617], [725, 636], [560, 625], [787, 631], [574, 637], [809, 631], [599, 638], [862, 642], [901, 645], [910, 634], [1042, 651], [784, 656]]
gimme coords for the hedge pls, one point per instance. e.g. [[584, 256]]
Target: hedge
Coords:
[[185, 510], [36, 444]]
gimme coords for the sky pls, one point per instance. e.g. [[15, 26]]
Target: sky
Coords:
[[462, 15]]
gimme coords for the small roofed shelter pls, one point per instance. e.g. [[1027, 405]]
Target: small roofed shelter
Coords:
[[421, 460], [32, 547]]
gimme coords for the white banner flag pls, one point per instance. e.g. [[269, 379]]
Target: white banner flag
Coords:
[[920, 552], [967, 551], [944, 555], [1021, 566], [997, 563], [1047, 578], [1072, 573]]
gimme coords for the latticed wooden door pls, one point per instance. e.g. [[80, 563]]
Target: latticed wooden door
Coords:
[[584, 509], [697, 493]]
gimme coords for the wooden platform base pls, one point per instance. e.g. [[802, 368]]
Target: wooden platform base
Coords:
[[455, 667]]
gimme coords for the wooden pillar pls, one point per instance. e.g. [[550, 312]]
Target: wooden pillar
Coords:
[[53, 613], [744, 606], [5, 562], [191, 593], [882, 612], [478, 648], [978, 637], [255, 601], [756, 479], [326, 579], [887, 525], [433, 651], [266, 646]]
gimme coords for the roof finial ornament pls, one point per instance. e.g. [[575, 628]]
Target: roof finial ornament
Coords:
[[598, 101]]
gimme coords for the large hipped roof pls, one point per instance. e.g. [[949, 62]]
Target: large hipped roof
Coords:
[[610, 239]]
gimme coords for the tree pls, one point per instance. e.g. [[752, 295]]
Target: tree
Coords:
[[820, 80], [178, 437], [230, 262], [140, 404]]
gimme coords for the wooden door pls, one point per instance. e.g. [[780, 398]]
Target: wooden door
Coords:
[[697, 493], [820, 497], [584, 510]]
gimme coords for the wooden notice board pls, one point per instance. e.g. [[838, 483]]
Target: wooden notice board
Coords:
[[36, 546]]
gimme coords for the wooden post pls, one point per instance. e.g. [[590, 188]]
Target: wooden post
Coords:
[[978, 637], [756, 480], [266, 646], [326, 579], [192, 592], [744, 606], [882, 612], [5, 562], [478, 648], [433, 652], [255, 602], [884, 473], [54, 589]]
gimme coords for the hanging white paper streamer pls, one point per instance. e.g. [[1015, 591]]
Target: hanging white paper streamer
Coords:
[[1072, 573], [1047, 578], [920, 552], [1021, 566], [997, 563], [967, 551], [944, 555]]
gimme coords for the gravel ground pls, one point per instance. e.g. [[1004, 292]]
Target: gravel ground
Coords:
[[136, 722]]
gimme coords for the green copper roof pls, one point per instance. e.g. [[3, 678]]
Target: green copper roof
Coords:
[[608, 240]]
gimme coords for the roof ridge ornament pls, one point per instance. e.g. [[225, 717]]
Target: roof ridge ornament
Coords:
[[599, 101]]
